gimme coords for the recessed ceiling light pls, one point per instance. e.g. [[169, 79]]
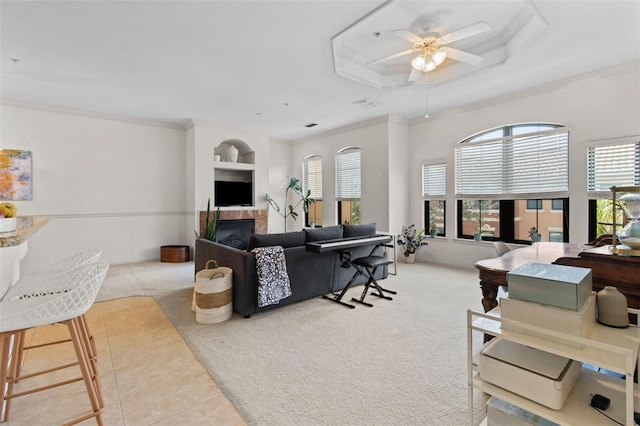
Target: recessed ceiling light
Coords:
[[311, 125]]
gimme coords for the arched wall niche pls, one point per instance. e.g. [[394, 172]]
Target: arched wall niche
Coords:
[[246, 154]]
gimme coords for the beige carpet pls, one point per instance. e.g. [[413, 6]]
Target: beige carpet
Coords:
[[402, 362]]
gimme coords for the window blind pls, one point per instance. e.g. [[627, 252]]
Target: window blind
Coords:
[[533, 164], [433, 180], [613, 165], [312, 176], [348, 175]]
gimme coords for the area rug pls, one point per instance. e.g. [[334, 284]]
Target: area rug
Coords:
[[402, 362]]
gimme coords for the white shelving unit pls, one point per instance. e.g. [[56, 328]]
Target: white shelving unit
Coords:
[[613, 349], [224, 165]]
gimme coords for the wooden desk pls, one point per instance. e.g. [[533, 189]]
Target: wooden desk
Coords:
[[622, 272]]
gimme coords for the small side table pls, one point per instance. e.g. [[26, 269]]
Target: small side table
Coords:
[[174, 254]]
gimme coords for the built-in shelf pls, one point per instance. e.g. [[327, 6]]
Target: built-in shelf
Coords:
[[234, 176], [225, 165]]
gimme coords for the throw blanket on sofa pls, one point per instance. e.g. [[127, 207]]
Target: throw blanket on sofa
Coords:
[[273, 281]]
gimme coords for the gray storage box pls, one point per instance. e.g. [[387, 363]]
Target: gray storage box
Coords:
[[567, 287]]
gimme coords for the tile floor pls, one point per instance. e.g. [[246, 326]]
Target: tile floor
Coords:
[[149, 374]]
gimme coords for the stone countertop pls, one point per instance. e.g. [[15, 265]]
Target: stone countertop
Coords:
[[25, 228]]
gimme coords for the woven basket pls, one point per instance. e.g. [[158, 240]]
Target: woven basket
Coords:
[[213, 294]]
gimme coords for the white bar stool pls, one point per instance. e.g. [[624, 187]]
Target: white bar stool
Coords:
[[67, 299], [64, 265], [51, 278]]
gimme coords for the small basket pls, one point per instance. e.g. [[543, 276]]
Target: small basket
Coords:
[[213, 294]]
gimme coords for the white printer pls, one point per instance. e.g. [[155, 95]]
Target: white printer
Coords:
[[540, 376]]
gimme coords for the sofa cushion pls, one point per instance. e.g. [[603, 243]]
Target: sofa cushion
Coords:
[[325, 233], [284, 240], [363, 230]]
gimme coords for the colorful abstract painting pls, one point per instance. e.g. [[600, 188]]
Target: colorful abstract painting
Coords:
[[15, 175]]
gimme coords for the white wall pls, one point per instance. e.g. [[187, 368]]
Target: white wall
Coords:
[[205, 137], [600, 105], [109, 183], [399, 175], [372, 137], [280, 168]]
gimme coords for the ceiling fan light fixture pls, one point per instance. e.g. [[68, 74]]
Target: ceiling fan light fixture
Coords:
[[419, 62], [439, 56], [429, 64]]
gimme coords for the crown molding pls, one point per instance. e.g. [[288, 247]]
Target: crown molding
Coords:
[[70, 111], [350, 127], [191, 123]]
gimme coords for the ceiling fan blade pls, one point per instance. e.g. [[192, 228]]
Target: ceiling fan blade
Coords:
[[407, 35], [471, 30], [460, 56], [415, 74], [388, 58]]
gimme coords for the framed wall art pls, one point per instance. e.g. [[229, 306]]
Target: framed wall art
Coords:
[[16, 183]]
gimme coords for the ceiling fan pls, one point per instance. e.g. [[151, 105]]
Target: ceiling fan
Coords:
[[433, 49]]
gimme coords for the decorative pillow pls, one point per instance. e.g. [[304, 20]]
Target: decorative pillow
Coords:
[[363, 230], [325, 233], [284, 240]]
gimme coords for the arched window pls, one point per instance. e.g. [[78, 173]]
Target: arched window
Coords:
[[348, 185], [312, 181], [511, 179]]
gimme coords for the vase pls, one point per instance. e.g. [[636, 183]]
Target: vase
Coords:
[[231, 154], [536, 238], [410, 258], [8, 224], [612, 307]]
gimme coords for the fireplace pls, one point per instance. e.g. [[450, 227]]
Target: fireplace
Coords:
[[236, 232], [257, 215]]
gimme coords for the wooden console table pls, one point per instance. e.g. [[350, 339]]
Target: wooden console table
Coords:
[[622, 272]]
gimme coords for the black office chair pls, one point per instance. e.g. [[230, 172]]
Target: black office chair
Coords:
[[369, 265]]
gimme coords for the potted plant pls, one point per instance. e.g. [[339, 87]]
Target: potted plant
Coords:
[[477, 234], [411, 240], [305, 199], [210, 223], [534, 235]]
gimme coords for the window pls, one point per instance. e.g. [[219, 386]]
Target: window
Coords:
[[348, 183], [555, 237], [609, 165], [510, 220], [433, 192], [312, 181], [497, 172], [534, 204]]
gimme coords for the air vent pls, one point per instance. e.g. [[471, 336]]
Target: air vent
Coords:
[[311, 125], [366, 103]]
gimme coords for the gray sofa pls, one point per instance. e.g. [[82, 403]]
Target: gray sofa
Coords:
[[310, 274]]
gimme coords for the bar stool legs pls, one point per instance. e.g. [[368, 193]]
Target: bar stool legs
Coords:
[[85, 359]]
